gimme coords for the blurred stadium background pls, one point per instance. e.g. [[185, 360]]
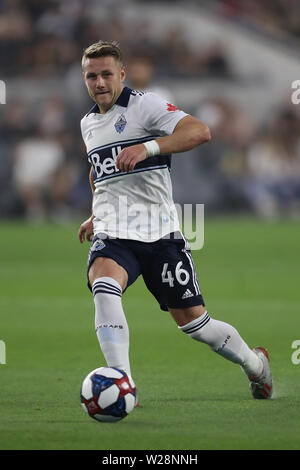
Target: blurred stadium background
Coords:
[[229, 62]]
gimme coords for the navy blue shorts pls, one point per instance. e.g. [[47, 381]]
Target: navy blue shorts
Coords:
[[166, 265]]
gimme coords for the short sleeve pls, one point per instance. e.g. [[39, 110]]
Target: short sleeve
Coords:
[[159, 116]]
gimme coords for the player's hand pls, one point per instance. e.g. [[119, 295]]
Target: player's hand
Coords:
[[130, 156], [86, 230]]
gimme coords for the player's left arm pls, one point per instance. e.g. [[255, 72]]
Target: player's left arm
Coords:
[[189, 132]]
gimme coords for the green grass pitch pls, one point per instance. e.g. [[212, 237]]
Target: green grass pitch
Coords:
[[190, 397]]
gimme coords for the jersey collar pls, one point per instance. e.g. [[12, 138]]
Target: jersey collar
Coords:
[[123, 100], [124, 97]]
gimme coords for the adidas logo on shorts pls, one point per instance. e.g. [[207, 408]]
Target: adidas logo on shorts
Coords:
[[187, 294]]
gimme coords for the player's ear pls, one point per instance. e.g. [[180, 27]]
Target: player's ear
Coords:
[[123, 73]]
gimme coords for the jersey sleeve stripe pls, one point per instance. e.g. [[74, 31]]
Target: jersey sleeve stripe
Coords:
[[124, 142], [117, 175]]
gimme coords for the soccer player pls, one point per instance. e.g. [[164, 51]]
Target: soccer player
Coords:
[[134, 227]]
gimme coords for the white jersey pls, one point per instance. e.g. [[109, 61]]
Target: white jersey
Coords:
[[137, 205]]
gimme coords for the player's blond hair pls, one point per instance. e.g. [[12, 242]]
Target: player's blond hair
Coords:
[[103, 49]]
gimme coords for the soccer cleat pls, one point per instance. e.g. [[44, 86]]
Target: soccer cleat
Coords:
[[261, 386]]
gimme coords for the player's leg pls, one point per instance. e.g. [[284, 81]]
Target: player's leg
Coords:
[[108, 281], [173, 281], [223, 338]]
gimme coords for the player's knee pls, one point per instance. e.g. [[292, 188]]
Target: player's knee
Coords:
[[107, 267], [183, 316]]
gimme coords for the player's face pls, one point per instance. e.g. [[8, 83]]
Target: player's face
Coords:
[[104, 78]]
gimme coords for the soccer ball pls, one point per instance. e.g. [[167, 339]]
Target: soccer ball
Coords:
[[108, 394]]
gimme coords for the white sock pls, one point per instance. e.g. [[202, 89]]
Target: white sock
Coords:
[[110, 323], [225, 340]]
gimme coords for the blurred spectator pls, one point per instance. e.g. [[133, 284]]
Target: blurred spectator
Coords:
[[38, 161], [14, 126], [60, 19], [274, 17], [41, 175], [15, 22], [215, 62], [52, 116], [247, 168], [222, 164], [141, 76], [46, 39], [273, 187]]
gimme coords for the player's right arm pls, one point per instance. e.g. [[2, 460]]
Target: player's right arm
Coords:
[[86, 229], [179, 131]]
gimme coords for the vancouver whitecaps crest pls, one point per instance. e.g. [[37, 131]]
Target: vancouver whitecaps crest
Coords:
[[120, 124]]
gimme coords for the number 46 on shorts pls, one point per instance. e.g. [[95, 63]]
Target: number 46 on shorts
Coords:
[[182, 275]]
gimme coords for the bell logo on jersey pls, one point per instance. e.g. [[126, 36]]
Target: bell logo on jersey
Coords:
[[171, 107], [105, 163]]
